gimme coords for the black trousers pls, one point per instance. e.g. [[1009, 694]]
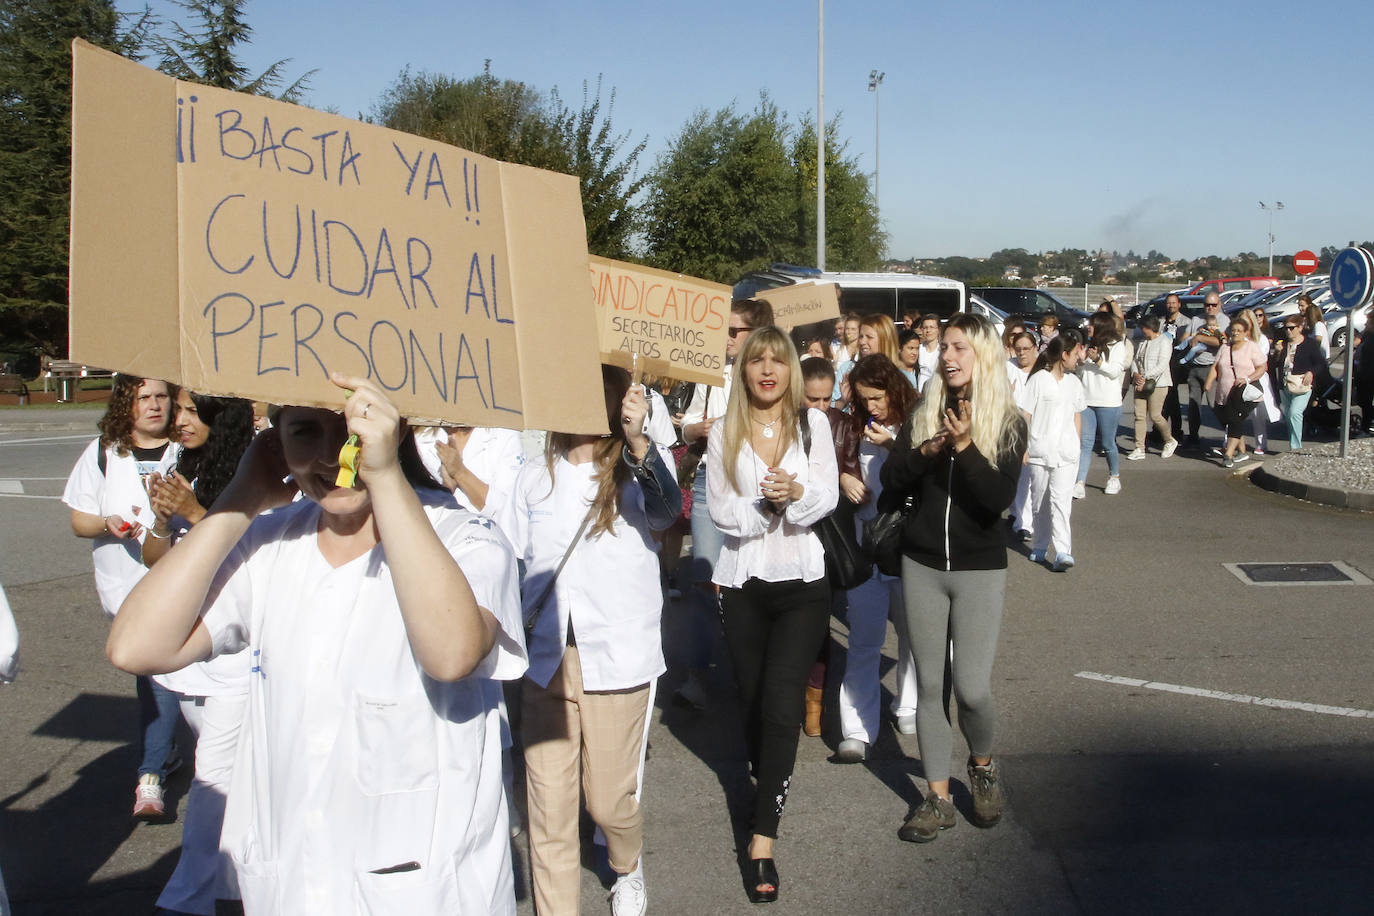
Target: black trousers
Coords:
[[773, 630]]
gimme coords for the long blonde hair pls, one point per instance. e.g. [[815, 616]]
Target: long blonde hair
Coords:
[[887, 335], [737, 410], [611, 473], [1251, 320], [997, 424]]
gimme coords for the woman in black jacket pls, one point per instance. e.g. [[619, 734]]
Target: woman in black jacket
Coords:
[[961, 455], [1299, 365]]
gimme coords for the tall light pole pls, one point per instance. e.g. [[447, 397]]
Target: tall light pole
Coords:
[[1278, 205], [820, 135], [875, 79]]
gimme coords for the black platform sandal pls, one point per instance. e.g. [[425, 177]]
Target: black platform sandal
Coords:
[[764, 873]]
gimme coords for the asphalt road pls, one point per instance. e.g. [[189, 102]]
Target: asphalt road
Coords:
[[1123, 798]]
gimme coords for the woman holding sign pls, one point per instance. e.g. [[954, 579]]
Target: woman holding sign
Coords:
[[377, 618], [584, 522], [771, 474]]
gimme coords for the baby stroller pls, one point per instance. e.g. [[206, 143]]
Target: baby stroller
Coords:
[[1323, 413]]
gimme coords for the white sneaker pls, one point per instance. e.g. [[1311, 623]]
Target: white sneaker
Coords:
[[1080, 491], [851, 750], [1169, 448], [1136, 455], [628, 896], [1113, 486], [906, 723]]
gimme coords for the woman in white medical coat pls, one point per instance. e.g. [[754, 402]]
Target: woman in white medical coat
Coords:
[[369, 770], [595, 645]]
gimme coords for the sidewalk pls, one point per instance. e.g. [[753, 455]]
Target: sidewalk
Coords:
[[77, 418]]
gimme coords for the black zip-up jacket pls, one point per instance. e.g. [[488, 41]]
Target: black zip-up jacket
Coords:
[[960, 498]]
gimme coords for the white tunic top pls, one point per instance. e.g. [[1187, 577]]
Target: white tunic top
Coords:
[[926, 363], [609, 589], [1052, 404], [758, 543], [351, 760], [118, 491], [495, 456]]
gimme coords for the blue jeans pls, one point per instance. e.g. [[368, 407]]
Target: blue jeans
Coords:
[[1106, 419], [158, 712], [703, 607]]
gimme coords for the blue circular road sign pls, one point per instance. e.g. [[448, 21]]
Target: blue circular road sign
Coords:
[[1352, 278]]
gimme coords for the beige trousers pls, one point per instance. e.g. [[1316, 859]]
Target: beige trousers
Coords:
[[592, 741], [1154, 407]]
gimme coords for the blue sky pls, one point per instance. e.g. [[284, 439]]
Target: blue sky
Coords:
[[1003, 124]]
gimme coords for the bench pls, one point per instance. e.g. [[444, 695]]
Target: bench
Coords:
[[14, 384]]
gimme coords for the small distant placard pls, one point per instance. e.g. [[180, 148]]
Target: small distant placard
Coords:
[[243, 246], [802, 303], [673, 324]]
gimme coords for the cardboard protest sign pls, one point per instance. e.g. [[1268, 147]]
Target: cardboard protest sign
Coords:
[[676, 324], [802, 303], [243, 246]]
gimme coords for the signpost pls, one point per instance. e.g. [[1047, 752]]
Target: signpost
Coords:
[[1352, 286], [1304, 263]]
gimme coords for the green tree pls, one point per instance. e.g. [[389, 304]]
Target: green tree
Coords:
[[208, 54], [607, 171], [35, 158], [723, 198], [735, 192], [514, 122]]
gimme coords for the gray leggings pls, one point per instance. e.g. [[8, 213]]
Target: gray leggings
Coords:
[[965, 607]]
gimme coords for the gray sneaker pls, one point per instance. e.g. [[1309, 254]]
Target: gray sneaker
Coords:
[[932, 815], [985, 785]]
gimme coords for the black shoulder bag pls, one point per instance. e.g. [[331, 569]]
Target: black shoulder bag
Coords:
[[845, 564]]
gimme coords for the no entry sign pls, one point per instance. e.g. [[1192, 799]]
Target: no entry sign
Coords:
[[1304, 263]]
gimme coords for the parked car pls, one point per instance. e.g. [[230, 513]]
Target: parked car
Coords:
[[1224, 283], [1259, 298], [1030, 305], [980, 306], [1337, 325], [891, 294], [1192, 307], [1235, 295]]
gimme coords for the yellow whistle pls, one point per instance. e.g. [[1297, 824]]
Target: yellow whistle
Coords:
[[348, 463]]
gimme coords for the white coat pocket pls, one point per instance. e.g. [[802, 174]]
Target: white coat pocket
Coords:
[[411, 893], [396, 748], [258, 886]]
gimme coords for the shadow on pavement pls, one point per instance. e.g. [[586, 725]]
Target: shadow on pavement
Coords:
[[1273, 831], [53, 852]]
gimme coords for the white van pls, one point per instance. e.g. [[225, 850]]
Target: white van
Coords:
[[889, 294]]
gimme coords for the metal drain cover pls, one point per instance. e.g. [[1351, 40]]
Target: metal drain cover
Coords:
[[1329, 572]]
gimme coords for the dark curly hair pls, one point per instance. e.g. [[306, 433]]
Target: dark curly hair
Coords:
[[117, 425], [212, 465], [877, 371]]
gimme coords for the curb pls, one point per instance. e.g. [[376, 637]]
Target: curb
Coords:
[[1329, 496]]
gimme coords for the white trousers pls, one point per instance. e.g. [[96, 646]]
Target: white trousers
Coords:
[[1051, 496], [870, 606], [204, 873], [1022, 518]]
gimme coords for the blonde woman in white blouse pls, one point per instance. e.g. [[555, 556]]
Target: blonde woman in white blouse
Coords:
[[766, 486]]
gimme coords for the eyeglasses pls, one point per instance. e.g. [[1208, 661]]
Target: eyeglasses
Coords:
[[735, 332]]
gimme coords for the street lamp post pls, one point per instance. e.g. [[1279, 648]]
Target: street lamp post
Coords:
[[1278, 205], [820, 134], [875, 79]]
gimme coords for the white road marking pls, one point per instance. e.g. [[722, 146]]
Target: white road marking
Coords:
[[1231, 697], [25, 496], [11, 487], [88, 437]]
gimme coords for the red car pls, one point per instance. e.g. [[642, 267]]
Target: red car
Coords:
[[1225, 283]]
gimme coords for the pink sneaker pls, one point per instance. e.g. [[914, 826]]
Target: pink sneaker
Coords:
[[148, 796]]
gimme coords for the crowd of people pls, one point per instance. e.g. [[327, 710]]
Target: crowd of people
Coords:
[[332, 599]]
